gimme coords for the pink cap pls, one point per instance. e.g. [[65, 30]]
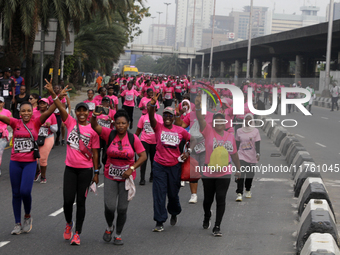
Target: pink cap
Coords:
[[44, 100]]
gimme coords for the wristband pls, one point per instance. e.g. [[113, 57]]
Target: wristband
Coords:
[[153, 105], [96, 171], [55, 98], [198, 109], [177, 116]]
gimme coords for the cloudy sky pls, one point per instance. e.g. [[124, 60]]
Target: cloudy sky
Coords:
[[224, 7]]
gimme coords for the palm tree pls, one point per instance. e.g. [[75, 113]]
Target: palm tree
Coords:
[[170, 65]]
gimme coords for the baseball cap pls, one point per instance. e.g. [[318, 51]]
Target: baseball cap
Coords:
[[44, 100], [2, 99], [169, 110], [81, 104], [7, 69], [106, 99]]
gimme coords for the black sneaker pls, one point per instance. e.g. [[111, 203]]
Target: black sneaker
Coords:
[[56, 143], [206, 223], [118, 241], [142, 182], [217, 231], [159, 227], [107, 237], [173, 220], [63, 142]]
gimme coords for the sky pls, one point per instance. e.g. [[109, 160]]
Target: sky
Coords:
[[224, 7]]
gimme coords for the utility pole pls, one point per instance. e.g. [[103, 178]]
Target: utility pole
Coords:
[[193, 26], [329, 44], [212, 41], [159, 19], [153, 29], [249, 38], [166, 24]]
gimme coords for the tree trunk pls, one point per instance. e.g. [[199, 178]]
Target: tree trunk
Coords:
[[57, 51], [14, 44], [29, 50]]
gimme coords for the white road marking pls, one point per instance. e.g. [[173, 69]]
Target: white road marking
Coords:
[[324, 118], [58, 212], [4, 243], [101, 185], [272, 180], [321, 145], [300, 136]]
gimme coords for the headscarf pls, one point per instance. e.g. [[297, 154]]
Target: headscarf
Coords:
[[249, 129], [188, 102]]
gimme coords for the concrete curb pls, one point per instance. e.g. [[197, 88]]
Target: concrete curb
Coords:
[[320, 244], [302, 176], [286, 142]]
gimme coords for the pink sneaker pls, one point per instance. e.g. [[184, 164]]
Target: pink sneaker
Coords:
[[68, 231], [76, 239]]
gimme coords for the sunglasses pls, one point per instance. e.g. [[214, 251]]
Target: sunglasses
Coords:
[[168, 115], [31, 98]]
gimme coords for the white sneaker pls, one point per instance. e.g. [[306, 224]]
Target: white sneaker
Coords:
[[182, 183], [248, 194], [239, 197], [193, 199]]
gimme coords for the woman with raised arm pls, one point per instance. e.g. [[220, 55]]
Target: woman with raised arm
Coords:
[[220, 148], [166, 165], [120, 166], [3, 129], [23, 163], [81, 164]]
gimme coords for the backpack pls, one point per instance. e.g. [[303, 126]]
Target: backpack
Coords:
[[112, 137]]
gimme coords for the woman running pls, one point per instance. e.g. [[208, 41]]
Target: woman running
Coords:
[[248, 146], [3, 128], [143, 102], [46, 139], [220, 146], [129, 102], [168, 94], [120, 165], [22, 97], [148, 139], [102, 93], [23, 163], [81, 164], [90, 103]]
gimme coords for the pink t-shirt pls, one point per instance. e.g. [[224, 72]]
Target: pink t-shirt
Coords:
[[178, 88], [157, 87], [145, 89], [214, 140], [247, 149], [129, 97], [3, 126], [266, 88], [22, 150], [168, 140], [143, 102], [50, 102], [92, 106], [258, 88], [168, 91], [98, 100], [46, 131], [148, 134], [103, 120], [118, 161], [74, 158], [114, 99]]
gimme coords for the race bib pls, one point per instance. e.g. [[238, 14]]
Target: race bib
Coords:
[[73, 139], [167, 96], [171, 139], [22, 145], [5, 93], [104, 123], [43, 131], [266, 90], [193, 90], [156, 87], [91, 106], [199, 148], [129, 97], [116, 172], [178, 87], [18, 107], [147, 128]]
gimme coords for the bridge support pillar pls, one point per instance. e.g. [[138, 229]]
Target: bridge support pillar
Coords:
[[196, 70], [237, 71], [298, 68], [275, 68], [256, 68], [222, 69]]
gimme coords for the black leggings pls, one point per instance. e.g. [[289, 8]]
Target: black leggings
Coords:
[[103, 146], [248, 176], [150, 150], [59, 125], [212, 186], [129, 110], [76, 182]]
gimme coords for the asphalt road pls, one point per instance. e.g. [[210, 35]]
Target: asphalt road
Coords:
[[261, 225]]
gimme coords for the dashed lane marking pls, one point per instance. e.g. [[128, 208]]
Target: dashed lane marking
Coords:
[[2, 244], [300, 136], [57, 212], [324, 118], [101, 185], [272, 180], [321, 145]]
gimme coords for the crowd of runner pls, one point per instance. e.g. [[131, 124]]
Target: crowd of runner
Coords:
[[98, 140]]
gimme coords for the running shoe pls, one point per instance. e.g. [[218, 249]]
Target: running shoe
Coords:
[[173, 220], [217, 231], [76, 239], [206, 223], [142, 182], [159, 227], [27, 225], [63, 142], [239, 197], [68, 231], [43, 180], [193, 199], [118, 241], [248, 194], [182, 183], [17, 229], [37, 176], [107, 237]]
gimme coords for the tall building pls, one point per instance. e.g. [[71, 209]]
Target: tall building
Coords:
[[284, 22], [336, 12], [161, 35]]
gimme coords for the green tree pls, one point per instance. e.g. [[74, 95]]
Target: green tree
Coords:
[[171, 65], [145, 64]]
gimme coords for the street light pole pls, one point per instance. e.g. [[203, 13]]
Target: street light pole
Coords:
[[159, 19], [329, 44], [166, 24], [153, 29], [212, 41], [249, 38]]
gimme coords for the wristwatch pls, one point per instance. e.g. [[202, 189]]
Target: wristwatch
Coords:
[[133, 168]]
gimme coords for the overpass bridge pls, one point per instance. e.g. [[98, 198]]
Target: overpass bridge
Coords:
[[301, 48]]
